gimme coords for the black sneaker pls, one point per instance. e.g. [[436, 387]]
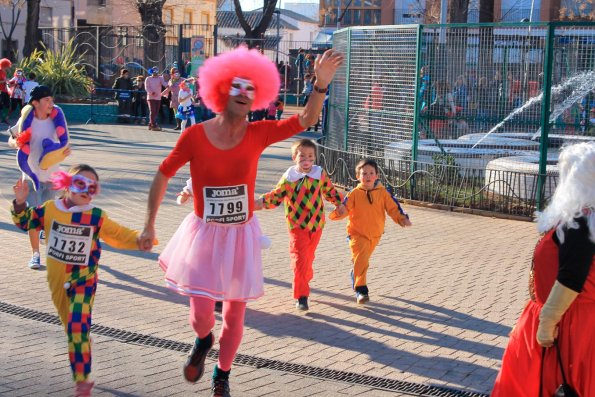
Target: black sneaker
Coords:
[[195, 365], [218, 307], [361, 299], [302, 303], [361, 294], [220, 388]]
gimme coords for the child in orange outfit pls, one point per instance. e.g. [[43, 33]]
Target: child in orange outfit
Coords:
[[367, 206], [302, 188]]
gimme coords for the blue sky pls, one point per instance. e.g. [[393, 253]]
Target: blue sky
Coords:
[[252, 4]]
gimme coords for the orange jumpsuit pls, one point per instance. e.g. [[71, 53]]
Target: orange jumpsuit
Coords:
[[367, 211]]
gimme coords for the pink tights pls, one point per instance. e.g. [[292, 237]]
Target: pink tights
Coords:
[[202, 320]]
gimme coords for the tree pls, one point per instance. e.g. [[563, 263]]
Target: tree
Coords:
[[457, 11], [151, 12], [254, 34], [486, 11], [16, 7], [32, 37]]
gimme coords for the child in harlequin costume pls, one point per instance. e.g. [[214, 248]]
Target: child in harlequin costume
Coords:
[[186, 106], [41, 137], [302, 188], [215, 253], [367, 206], [73, 227], [16, 90]]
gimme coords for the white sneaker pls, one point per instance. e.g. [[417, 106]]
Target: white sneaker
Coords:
[[35, 262]]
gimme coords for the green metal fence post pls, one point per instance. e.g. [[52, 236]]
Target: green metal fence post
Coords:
[[545, 115], [416, 109], [347, 85]]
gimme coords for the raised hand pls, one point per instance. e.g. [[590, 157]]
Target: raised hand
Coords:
[[21, 191], [325, 67]]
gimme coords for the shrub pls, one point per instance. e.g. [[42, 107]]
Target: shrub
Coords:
[[62, 70]]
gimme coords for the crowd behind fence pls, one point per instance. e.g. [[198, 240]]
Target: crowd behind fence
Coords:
[[107, 49], [455, 114]]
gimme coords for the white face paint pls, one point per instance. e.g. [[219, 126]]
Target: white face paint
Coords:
[[241, 87]]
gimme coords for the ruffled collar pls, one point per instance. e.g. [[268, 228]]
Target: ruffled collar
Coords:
[[292, 174], [77, 208]]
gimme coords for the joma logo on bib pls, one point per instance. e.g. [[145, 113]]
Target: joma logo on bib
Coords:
[[70, 230], [225, 192]]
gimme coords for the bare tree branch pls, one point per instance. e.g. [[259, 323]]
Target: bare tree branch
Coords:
[[243, 23]]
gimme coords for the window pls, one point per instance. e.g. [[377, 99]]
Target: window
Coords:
[[367, 17], [168, 16], [187, 17], [204, 18], [45, 16], [377, 20], [347, 18], [357, 3], [357, 17]]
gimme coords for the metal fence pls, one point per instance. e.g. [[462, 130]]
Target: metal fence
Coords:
[[107, 49], [469, 115]]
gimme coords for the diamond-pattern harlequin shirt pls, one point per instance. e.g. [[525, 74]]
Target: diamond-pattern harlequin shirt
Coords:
[[302, 195], [65, 230]]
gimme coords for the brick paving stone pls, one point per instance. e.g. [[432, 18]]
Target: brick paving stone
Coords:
[[444, 293]]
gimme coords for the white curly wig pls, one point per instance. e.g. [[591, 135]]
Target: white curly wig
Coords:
[[575, 194]]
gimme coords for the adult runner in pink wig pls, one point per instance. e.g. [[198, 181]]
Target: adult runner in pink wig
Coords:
[[215, 253], [217, 73]]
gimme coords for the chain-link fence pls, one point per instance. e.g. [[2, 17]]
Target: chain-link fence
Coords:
[[463, 115]]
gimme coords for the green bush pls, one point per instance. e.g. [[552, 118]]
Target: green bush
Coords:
[[61, 70]]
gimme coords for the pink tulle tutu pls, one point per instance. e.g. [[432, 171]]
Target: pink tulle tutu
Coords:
[[221, 262]]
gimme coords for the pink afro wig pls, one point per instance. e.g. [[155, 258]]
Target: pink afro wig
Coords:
[[216, 74]]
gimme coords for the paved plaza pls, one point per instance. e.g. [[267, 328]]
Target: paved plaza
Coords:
[[444, 296]]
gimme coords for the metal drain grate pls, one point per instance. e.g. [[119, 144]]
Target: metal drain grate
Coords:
[[415, 389]]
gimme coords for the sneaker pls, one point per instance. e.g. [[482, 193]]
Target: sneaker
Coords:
[[220, 388], [302, 303], [35, 262], [41, 237], [195, 365], [218, 307], [361, 298], [83, 389]]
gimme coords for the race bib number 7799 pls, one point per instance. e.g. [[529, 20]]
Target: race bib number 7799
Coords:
[[226, 204]]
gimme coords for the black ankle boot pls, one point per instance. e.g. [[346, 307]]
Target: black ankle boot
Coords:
[[195, 365], [220, 383]]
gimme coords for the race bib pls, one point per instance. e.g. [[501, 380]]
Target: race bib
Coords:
[[226, 204], [70, 244]]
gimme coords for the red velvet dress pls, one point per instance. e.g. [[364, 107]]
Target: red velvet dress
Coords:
[[521, 364]]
